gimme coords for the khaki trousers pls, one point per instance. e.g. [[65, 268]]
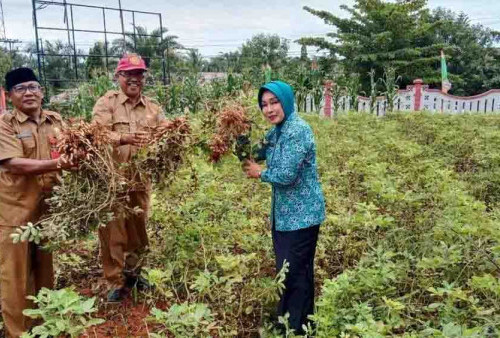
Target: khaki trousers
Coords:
[[123, 240], [24, 270]]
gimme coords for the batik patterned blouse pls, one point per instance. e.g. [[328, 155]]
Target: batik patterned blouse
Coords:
[[297, 198]]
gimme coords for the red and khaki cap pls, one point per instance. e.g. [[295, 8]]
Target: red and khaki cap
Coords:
[[131, 61]]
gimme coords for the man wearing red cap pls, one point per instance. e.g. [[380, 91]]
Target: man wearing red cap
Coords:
[[129, 115]]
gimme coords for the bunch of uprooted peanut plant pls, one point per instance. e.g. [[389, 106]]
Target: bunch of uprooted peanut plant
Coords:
[[231, 123], [166, 151], [86, 197], [96, 192]]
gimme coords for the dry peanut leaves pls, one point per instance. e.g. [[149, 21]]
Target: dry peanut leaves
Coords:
[[232, 122], [166, 151]]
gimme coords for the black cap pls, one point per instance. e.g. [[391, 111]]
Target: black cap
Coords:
[[19, 75]]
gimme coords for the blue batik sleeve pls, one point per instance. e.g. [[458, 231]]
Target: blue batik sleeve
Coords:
[[294, 152]]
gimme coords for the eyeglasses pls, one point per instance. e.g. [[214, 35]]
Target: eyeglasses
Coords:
[[129, 75], [34, 88]]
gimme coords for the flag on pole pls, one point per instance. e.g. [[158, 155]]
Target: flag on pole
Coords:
[[445, 83]]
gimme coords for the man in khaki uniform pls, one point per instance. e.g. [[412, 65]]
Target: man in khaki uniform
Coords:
[[129, 115], [29, 166]]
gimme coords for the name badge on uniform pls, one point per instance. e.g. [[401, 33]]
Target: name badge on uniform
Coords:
[[54, 152], [25, 134]]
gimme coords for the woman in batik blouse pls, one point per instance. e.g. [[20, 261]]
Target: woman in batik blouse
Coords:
[[298, 206]]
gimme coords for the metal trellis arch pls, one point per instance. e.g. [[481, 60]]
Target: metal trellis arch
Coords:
[[69, 21]]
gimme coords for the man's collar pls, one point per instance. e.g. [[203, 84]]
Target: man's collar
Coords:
[[23, 117], [20, 116], [122, 97]]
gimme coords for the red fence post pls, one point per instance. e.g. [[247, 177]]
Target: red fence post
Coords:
[[417, 90], [3, 103], [327, 109]]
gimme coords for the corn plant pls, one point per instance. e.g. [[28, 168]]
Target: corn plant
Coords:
[[175, 102], [234, 84], [391, 87], [336, 92], [353, 89], [301, 84], [317, 87], [193, 93], [216, 89], [373, 91]]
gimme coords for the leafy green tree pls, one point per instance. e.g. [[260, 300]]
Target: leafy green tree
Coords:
[[262, 50], [216, 64], [20, 58], [5, 65], [303, 53], [379, 34], [234, 61], [194, 60], [225, 62], [147, 44], [474, 62], [95, 61], [58, 71]]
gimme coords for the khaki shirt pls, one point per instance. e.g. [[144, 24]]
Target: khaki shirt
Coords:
[[21, 196], [115, 111]]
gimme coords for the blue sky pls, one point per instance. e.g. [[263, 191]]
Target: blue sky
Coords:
[[211, 26]]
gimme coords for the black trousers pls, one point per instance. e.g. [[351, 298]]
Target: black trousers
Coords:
[[297, 248]]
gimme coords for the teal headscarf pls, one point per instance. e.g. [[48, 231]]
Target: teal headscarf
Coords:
[[284, 92]]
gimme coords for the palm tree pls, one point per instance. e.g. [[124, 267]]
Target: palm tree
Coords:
[[144, 43], [151, 46], [194, 60]]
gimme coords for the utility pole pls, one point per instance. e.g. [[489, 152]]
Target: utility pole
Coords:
[[123, 26], [2, 23], [168, 61], [3, 35], [3, 103], [10, 42]]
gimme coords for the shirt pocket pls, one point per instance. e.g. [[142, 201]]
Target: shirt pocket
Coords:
[[29, 146], [121, 126], [147, 123]]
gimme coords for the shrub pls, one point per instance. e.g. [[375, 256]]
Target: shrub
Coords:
[[63, 312]]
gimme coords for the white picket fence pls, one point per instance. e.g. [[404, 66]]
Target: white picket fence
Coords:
[[417, 97]]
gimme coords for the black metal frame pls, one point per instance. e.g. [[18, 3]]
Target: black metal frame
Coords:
[[41, 4]]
